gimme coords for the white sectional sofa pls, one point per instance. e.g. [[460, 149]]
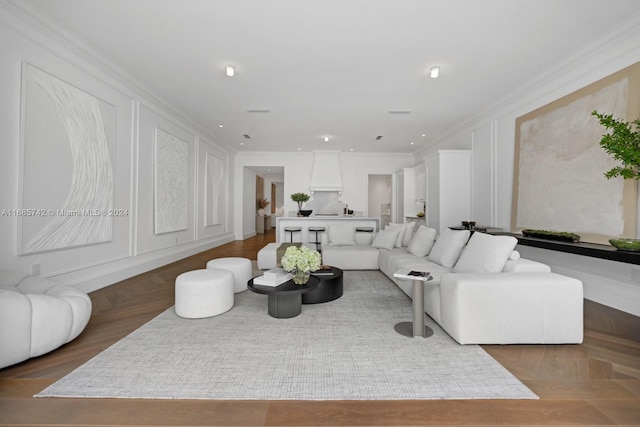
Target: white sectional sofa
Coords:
[[482, 292]]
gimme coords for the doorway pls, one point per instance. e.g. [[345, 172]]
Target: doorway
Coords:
[[380, 195]]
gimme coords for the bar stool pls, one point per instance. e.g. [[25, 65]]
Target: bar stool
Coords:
[[317, 229], [291, 230]]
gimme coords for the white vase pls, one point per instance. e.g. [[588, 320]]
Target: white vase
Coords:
[[260, 212]]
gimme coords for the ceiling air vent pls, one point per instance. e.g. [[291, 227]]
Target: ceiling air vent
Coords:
[[258, 110], [399, 111], [246, 136], [378, 138]]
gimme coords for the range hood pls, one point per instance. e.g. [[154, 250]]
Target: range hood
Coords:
[[325, 172]]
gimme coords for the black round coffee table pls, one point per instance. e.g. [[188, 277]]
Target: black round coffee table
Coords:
[[329, 289], [285, 300]]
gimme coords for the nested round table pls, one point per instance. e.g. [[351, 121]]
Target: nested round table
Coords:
[[285, 300], [329, 289]]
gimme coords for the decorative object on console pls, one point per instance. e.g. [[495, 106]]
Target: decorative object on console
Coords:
[[626, 244], [469, 225], [262, 203], [300, 198], [305, 212], [301, 261], [623, 144], [551, 235]]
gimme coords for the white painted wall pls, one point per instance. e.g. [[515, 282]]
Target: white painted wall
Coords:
[[494, 130], [135, 247]]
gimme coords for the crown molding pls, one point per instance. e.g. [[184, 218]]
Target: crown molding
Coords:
[[24, 18], [619, 47]]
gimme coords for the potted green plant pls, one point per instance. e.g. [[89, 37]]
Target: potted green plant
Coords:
[[623, 144], [300, 198]]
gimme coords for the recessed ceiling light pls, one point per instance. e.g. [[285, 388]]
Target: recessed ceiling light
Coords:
[[434, 72], [299, 149], [350, 149], [411, 143], [230, 70], [326, 139], [424, 134], [242, 143], [220, 126]]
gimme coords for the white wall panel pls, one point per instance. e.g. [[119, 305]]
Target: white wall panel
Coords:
[[483, 183], [159, 224], [92, 266], [17, 51], [213, 196]]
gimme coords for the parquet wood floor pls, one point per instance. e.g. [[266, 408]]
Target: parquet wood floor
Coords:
[[596, 383]]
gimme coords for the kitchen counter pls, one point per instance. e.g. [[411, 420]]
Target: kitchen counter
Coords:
[[314, 221]]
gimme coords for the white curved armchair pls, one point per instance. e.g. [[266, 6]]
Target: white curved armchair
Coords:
[[38, 315]]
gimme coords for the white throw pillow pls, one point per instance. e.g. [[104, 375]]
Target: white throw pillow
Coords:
[[342, 235], [485, 253], [422, 241], [400, 228], [408, 233], [448, 246], [386, 239]]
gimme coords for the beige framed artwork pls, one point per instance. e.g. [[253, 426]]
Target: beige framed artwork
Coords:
[[559, 166]]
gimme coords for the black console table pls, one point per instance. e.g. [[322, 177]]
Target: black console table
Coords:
[[579, 248]]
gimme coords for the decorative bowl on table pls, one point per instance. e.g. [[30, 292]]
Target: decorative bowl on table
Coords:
[[623, 244], [305, 212]]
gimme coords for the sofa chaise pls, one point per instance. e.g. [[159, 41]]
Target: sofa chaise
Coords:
[[482, 292]]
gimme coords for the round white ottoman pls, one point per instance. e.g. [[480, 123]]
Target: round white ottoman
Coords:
[[240, 267], [204, 293]]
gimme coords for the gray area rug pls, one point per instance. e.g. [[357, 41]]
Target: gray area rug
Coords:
[[346, 349]]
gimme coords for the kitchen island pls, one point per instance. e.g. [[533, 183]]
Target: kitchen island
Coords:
[[317, 221]]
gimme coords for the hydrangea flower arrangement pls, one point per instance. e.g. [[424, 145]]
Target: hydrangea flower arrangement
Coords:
[[301, 261]]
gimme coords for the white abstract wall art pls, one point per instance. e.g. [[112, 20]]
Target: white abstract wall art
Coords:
[[171, 200], [68, 137], [214, 190], [558, 178]]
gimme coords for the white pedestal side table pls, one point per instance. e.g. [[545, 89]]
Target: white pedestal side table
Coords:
[[417, 328]]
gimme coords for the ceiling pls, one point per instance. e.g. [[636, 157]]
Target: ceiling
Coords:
[[335, 68]]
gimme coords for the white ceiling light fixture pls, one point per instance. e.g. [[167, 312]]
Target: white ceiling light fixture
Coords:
[[434, 72], [230, 70], [326, 139]]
